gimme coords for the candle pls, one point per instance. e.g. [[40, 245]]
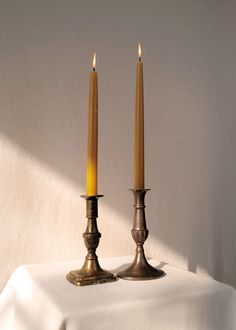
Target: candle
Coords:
[[139, 126], [92, 156]]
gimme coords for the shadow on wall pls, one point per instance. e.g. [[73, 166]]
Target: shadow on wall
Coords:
[[195, 177]]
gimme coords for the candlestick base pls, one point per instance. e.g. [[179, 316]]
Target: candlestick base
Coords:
[[140, 269], [91, 272]]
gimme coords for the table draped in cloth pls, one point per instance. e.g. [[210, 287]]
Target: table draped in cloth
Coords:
[[38, 297]]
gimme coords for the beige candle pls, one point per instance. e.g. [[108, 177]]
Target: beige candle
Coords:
[[92, 157], [139, 126]]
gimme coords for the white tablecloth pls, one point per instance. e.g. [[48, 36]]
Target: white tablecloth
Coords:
[[38, 297]]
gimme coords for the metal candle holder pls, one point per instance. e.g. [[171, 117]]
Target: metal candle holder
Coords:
[[140, 268], [91, 272]]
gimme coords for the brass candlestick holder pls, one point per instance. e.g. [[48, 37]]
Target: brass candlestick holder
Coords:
[[91, 272], [140, 268]]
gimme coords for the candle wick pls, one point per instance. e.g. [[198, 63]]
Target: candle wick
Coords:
[[94, 69]]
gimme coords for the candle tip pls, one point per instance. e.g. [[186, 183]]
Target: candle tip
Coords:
[[94, 61], [139, 52]]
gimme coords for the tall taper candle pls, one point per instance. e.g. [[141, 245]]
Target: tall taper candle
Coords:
[[92, 157], [139, 126]]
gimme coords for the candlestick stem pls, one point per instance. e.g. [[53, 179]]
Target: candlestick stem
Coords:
[[91, 272], [140, 269]]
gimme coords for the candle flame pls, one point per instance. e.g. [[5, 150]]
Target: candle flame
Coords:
[[139, 52], [94, 61]]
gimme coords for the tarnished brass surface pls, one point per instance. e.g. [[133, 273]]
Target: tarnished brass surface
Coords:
[[140, 269], [91, 272]]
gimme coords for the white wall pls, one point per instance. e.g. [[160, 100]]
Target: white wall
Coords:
[[189, 54]]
